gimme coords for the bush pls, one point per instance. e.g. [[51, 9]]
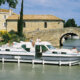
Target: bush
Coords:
[[12, 36], [6, 37], [2, 32]]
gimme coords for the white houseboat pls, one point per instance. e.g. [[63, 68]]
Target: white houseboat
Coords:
[[41, 52]]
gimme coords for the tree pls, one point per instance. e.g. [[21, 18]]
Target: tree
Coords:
[[20, 21], [12, 3], [70, 23]]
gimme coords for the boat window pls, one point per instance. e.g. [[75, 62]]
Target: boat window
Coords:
[[27, 49], [37, 48], [63, 52], [54, 52], [7, 49], [44, 49], [50, 47], [23, 46]]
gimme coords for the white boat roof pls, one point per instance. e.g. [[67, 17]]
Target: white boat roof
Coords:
[[43, 43], [36, 43], [28, 44]]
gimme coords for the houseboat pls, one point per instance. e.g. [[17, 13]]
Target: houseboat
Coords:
[[42, 52]]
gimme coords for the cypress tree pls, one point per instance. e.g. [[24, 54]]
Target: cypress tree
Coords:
[[20, 21]]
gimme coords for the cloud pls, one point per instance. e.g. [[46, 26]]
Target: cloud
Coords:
[[64, 9]]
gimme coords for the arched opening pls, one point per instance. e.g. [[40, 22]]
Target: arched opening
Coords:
[[68, 36]]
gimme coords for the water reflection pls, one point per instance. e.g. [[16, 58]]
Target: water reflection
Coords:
[[3, 68], [13, 71]]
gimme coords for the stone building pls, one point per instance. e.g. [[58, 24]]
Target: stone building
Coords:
[[4, 14], [32, 22], [35, 22]]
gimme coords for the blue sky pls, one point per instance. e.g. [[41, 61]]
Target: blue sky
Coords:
[[64, 9]]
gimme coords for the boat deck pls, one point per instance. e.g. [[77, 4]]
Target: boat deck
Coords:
[[39, 61]]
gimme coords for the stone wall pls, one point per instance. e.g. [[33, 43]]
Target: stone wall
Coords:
[[40, 25], [52, 36], [3, 17], [12, 25], [2, 21], [35, 25]]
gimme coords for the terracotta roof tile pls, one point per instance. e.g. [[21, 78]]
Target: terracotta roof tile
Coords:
[[34, 17]]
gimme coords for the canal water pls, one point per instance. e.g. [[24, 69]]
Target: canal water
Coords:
[[13, 71], [24, 71], [71, 43]]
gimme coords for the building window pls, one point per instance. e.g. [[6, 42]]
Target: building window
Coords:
[[4, 16], [45, 24], [4, 24], [58, 22]]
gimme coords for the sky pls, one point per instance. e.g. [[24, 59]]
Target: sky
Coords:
[[64, 9]]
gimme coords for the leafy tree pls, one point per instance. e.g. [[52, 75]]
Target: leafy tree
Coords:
[[12, 3], [20, 22], [78, 26], [70, 23]]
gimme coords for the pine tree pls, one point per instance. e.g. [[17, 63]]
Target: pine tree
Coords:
[[20, 21], [70, 23]]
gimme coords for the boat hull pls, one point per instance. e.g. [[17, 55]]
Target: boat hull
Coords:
[[7, 56], [62, 59], [45, 58]]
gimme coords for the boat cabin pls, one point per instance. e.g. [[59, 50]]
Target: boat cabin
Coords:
[[38, 48]]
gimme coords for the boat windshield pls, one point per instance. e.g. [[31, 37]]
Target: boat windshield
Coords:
[[50, 47]]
